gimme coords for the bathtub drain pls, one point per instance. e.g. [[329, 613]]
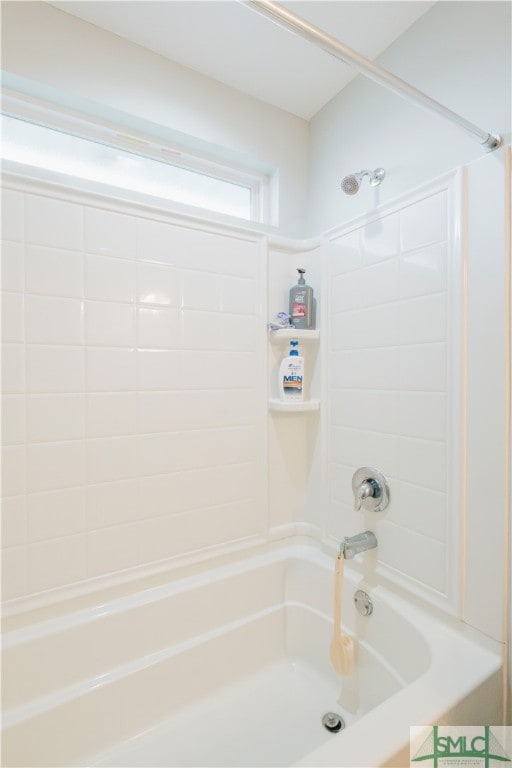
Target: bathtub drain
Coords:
[[333, 722]]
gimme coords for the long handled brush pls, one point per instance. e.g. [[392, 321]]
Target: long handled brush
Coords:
[[342, 646]]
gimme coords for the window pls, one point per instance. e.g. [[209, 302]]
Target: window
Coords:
[[143, 167]]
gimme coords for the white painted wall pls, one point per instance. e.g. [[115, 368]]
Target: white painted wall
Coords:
[[54, 55], [458, 53]]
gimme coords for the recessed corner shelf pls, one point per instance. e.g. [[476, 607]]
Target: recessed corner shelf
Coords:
[[287, 334], [299, 407], [282, 336]]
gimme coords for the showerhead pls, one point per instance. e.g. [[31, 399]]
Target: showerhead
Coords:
[[350, 184]]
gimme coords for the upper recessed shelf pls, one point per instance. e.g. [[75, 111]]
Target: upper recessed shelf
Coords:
[[288, 334]]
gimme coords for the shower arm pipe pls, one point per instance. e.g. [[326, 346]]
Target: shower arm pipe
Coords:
[[292, 22]]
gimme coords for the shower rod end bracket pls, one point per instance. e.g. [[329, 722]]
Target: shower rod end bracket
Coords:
[[492, 142]]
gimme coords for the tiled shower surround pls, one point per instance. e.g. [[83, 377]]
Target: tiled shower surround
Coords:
[[133, 389], [392, 321]]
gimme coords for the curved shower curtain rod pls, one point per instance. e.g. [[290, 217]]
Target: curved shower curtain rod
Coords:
[[366, 67]]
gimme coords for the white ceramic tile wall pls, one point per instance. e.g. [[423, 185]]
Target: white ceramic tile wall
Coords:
[[134, 389], [387, 374]]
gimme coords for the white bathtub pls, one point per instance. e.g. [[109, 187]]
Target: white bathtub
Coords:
[[230, 666]]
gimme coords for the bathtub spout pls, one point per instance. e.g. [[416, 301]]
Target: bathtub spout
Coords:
[[353, 545]]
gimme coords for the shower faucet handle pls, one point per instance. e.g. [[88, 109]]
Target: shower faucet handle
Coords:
[[371, 489], [368, 488]]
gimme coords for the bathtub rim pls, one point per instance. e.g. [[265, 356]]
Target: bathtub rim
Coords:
[[416, 700], [57, 616]]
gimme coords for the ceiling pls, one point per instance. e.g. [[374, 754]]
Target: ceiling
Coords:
[[233, 44]]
